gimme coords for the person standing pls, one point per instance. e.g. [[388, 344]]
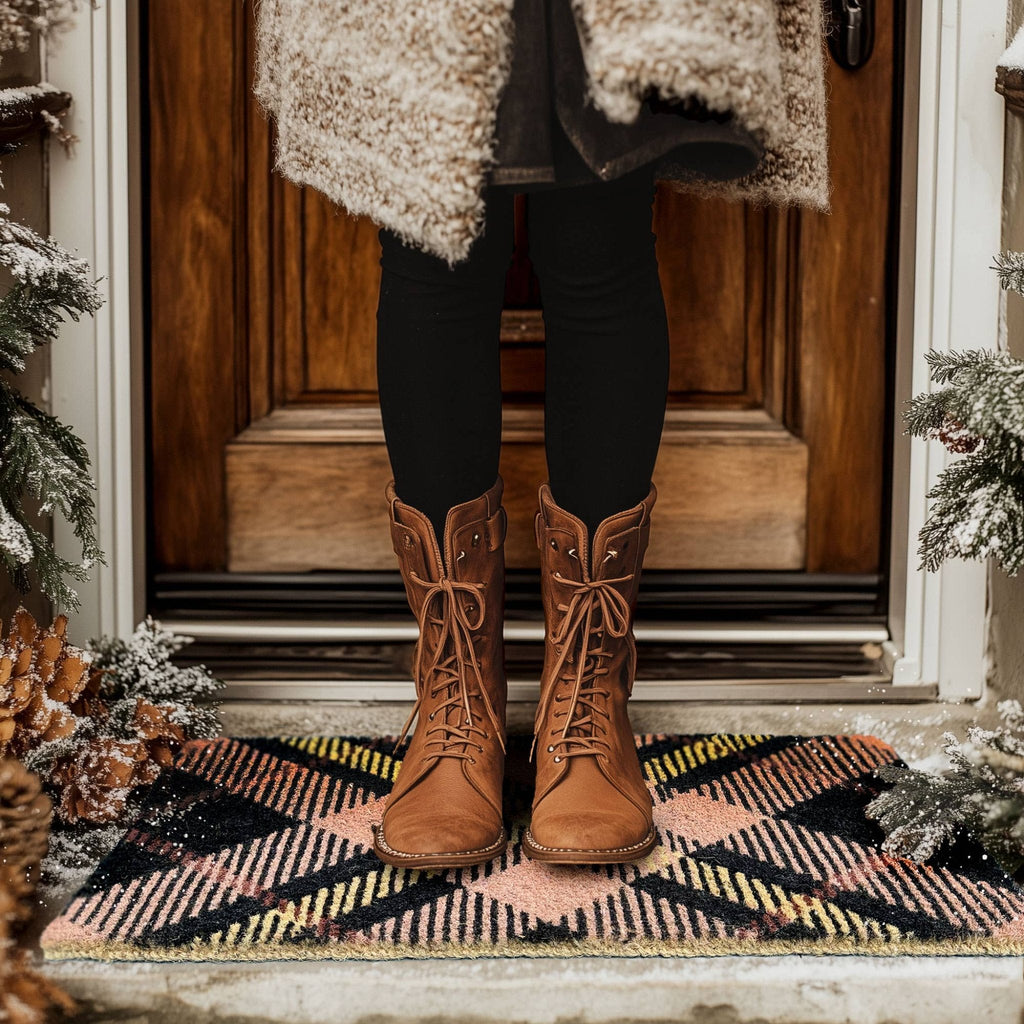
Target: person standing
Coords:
[[591, 175]]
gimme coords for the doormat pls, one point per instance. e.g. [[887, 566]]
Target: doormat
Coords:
[[260, 849]]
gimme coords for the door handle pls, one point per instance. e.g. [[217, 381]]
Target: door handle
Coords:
[[851, 32]]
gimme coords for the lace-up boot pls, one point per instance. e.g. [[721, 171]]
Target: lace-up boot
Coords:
[[591, 805], [445, 808]]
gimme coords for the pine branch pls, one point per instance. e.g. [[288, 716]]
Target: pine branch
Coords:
[[985, 397], [976, 511], [980, 795], [977, 505], [20, 18], [1010, 267], [40, 457]]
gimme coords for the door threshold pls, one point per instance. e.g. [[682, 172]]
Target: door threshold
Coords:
[[843, 690], [369, 630]]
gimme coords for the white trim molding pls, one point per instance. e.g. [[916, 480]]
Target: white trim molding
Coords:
[[949, 298], [950, 229], [95, 369]]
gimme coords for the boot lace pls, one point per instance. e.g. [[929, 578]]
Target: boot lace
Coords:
[[595, 610], [453, 735]]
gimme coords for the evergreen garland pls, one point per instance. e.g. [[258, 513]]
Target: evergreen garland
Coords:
[[977, 512], [981, 795], [19, 19], [39, 455], [977, 504]]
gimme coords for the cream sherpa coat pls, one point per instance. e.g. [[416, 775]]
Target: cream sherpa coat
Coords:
[[389, 107]]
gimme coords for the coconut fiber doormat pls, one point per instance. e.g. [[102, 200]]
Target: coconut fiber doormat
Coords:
[[259, 849]]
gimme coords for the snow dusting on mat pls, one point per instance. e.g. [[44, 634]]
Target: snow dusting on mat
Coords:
[[260, 849]]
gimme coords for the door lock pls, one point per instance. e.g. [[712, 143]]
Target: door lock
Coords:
[[851, 32]]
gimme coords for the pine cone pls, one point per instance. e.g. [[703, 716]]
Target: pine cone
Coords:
[[163, 738], [41, 677], [25, 815], [15, 693], [956, 437], [97, 780], [25, 995], [89, 703]]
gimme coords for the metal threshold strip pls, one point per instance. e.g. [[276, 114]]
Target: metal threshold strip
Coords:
[[268, 677], [525, 630], [842, 690]]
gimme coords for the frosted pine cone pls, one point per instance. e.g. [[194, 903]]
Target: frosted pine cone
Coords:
[[15, 692], [957, 438], [163, 737], [46, 676], [97, 781]]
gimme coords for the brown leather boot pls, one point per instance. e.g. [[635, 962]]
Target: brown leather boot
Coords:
[[445, 808], [590, 803]]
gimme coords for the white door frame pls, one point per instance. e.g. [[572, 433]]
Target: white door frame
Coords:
[[950, 212]]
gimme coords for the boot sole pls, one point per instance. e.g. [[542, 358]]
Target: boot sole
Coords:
[[569, 855], [458, 859]]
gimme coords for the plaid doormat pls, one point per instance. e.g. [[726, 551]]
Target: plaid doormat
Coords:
[[259, 849]]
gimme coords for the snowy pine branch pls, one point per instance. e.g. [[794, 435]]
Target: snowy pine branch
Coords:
[[1010, 267], [20, 18], [981, 795], [984, 396], [40, 457], [141, 666], [977, 411], [977, 510]]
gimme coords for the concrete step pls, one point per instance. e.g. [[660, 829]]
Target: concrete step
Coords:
[[702, 990]]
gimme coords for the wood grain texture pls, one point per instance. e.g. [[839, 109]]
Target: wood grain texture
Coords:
[[306, 491], [335, 354], [841, 311], [196, 247], [705, 263]]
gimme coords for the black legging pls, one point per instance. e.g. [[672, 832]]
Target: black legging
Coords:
[[606, 351]]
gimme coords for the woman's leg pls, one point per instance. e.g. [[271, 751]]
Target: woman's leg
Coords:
[[607, 346], [438, 368]]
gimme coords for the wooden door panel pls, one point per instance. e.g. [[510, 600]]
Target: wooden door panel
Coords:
[[266, 440], [195, 333], [334, 355], [706, 263], [840, 309], [302, 483]]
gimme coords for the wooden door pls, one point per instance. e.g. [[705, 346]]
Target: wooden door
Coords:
[[266, 443]]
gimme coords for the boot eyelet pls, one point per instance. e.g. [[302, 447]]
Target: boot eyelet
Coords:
[[554, 543], [476, 540], [430, 717], [470, 607], [551, 750], [461, 554], [558, 759], [472, 760]]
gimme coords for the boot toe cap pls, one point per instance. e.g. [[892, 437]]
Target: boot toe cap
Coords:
[[589, 830], [423, 834]]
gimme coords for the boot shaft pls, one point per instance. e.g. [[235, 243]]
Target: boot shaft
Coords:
[[590, 801]]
